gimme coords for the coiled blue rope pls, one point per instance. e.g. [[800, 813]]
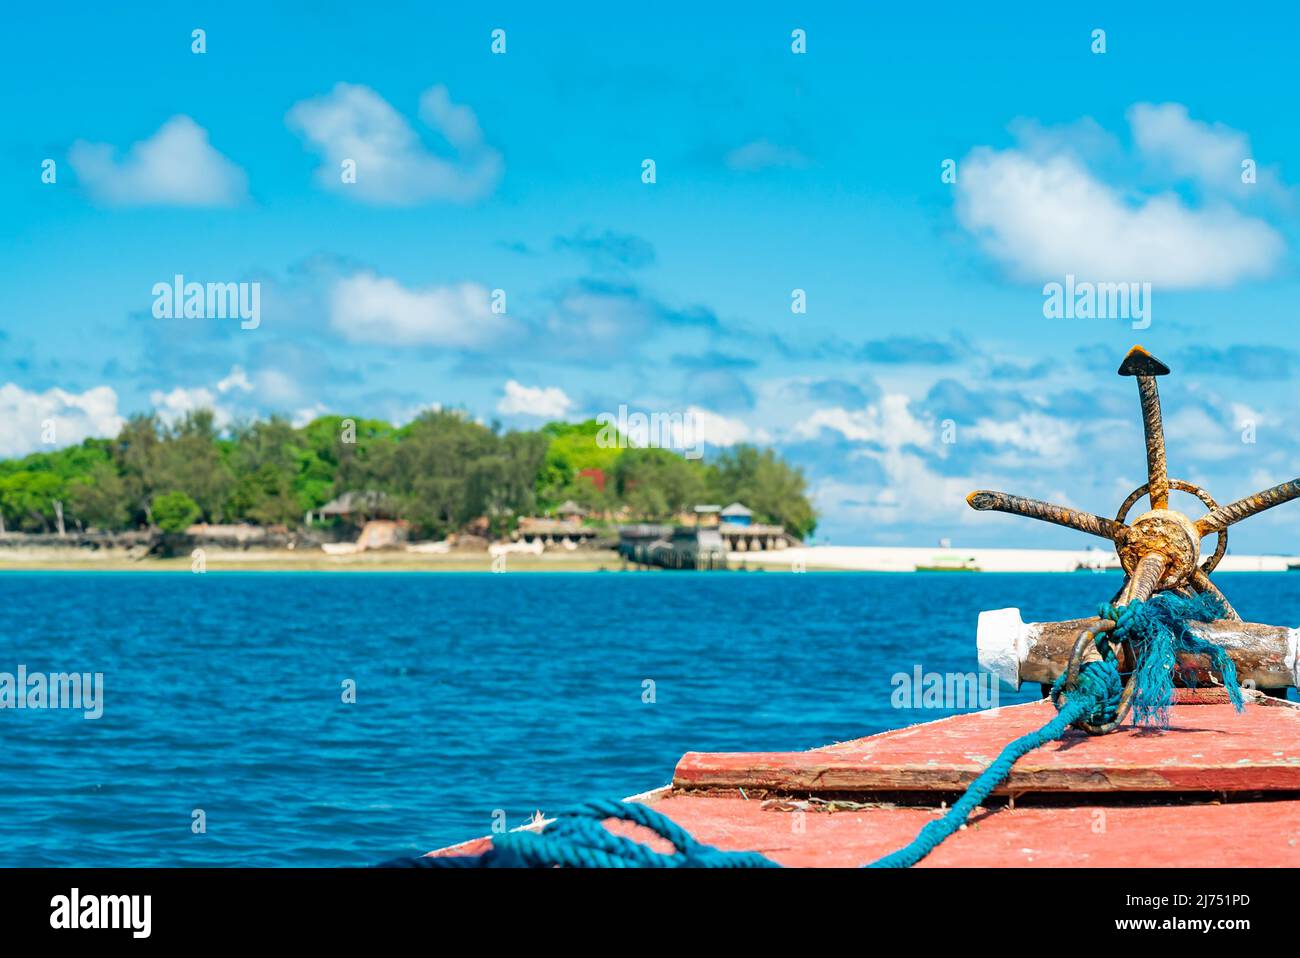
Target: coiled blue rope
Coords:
[[1157, 628], [578, 838]]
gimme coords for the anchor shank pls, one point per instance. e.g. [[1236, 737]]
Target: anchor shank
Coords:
[[1146, 576], [1224, 516], [985, 500], [1153, 426]]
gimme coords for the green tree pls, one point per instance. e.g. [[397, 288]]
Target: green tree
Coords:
[[775, 490], [505, 481], [27, 499], [99, 497], [657, 483], [359, 451], [571, 448], [266, 459], [442, 471], [137, 453], [189, 460], [175, 511], [430, 470]]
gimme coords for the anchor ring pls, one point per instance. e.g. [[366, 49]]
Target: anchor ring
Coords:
[[1182, 486]]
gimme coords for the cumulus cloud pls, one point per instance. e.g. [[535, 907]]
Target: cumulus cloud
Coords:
[[222, 399], [1209, 154], [393, 166], [687, 430], [589, 322], [1044, 214], [175, 405], [888, 423], [911, 492], [704, 426], [38, 420], [304, 416], [544, 402], [177, 166], [277, 387], [236, 379], [366, 308], [1032, 432]]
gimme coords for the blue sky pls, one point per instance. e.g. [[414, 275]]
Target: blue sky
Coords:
[[775, 171]]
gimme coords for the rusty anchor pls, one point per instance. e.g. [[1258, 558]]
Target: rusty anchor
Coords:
[[1159, 551]]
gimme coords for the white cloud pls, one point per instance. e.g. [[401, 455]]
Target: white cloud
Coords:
[[888, 423], [1045, 215], [175, 405], [302, 417], [30, 420], [236, 379], [713, 429], [1048, 437], [1210, 154], [544, 402], [177, 166], [1203, 435], [393, 167], [367, 308], [910, 493], [277, 387]]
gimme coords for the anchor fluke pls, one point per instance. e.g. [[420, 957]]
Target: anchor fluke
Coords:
[[984, 500], [1160, 551], [1139, 362]]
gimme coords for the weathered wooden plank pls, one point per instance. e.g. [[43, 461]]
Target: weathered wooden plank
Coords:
[[1016, 652], [1208, 748]]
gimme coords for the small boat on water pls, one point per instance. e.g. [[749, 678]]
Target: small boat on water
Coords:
[[1223, 761], [949, 564]]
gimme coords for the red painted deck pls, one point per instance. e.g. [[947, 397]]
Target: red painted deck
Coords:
[[1133, 798], [1208, 747]]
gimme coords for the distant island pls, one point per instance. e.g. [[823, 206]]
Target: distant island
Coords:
[[442, 485]]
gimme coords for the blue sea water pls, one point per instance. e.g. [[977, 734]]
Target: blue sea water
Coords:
[[474, 693]]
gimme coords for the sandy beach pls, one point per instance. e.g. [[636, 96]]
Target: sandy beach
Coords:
[[811, 559], [289, 560], [905, 559]]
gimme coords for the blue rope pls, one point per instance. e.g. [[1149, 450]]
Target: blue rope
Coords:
[[578, 838], [1096, 699], [1157, 628]]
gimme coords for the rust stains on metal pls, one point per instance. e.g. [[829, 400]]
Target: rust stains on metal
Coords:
[[1139, 362], [1164, 544], [1224, 516], [1146, 368], [985, 500], [1160, 549]]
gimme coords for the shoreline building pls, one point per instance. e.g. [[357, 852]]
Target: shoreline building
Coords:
[[702, 538], [742, 534]]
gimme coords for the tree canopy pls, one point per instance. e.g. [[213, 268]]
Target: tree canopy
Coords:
[[440, 472]]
